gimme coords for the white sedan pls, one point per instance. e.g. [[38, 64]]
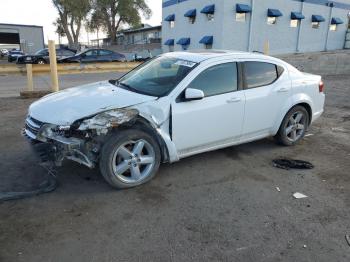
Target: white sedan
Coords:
[[174, 106]]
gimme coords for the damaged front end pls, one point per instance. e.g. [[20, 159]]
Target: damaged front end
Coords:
[[80, 142]]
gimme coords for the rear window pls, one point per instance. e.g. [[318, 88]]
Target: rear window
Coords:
[[105, 52], [260, 74]]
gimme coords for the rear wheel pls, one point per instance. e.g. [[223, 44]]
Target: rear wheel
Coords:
[[294, 126], [129, 158]]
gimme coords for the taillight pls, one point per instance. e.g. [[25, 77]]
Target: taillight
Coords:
[[321, 87]]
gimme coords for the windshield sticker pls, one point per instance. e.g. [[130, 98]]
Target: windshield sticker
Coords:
[[185, 63]]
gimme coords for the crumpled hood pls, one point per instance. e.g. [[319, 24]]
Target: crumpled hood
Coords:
[[69, 105]]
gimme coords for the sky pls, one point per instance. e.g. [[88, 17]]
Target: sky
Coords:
[[43, 13]]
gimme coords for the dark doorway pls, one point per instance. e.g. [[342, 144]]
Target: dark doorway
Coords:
[[9, 38]]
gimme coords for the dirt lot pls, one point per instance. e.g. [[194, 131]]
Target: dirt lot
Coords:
[[218, 206]]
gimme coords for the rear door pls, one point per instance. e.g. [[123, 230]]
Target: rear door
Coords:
[[267, 92], [104, 55]]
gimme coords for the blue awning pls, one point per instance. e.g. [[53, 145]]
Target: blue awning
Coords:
[[274, 12], [169, 42], [209, 9], [317, 18], [336, 21], [191, 13], [207, 40], [296, 16], [184, 41], [241, 8], [170, 18]]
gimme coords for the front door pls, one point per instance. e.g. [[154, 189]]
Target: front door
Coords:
[[213, 121], [89, 56]]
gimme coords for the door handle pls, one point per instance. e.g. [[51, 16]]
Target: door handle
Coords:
[[234, 100], [283, 89]]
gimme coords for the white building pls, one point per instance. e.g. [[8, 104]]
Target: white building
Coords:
[[288, 25]]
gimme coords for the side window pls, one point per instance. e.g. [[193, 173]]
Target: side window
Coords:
[[217, 80], [260, 74], [91, 53], [105, 52], [68, 53]]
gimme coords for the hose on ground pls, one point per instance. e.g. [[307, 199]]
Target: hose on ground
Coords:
[[49, 185]]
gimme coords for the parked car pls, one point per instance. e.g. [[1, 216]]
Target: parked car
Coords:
[[94, 55], [42, 56], [13, 55], [174, 106], [4, 52]]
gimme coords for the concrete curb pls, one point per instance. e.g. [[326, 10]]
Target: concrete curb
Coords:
[[34, 94]]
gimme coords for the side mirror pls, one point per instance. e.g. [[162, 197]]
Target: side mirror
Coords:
[[194, 94]]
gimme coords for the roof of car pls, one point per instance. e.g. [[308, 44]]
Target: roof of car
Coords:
[[198, 56]]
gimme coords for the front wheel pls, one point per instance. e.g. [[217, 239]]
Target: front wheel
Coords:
[[293, 127], [41, 62], [129, 158]]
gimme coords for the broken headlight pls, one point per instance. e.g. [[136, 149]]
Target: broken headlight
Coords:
[[108, 119], [51, 131]]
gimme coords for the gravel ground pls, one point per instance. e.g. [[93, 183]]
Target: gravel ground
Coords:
[[217, 206]]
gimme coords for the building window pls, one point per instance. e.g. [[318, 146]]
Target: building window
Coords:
[[210, 17], [333, 27], [172, 24], [192, 19], [315, 25], [294, 23], [209, 12], [240, 17], [208, 46], [271, 20], [171, 48]]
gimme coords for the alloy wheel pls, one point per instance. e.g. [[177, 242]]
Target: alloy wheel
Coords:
[[133, 161], [295, 127]]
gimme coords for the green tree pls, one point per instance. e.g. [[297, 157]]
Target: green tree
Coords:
[[95, 23], [114, 13], [72, 14], [59, 28]]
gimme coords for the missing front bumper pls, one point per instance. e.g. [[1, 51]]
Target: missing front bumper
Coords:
[[59, 148]]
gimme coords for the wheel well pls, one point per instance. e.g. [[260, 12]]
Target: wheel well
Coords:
[[144, 125], [308, 109]]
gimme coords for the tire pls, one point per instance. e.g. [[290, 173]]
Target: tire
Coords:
[[129, 158], [293, 127], [41, 61]]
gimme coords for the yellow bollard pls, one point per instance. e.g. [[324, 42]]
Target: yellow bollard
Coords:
[[30, 85], [266, 47], [53, 66]]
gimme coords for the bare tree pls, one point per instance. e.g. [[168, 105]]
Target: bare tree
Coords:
[[114, 13]]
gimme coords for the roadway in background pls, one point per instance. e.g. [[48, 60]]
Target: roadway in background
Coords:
[[11, 85]]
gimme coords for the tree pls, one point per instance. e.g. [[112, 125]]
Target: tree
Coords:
[[114, 13], [95, 23], [71, 13], [59, 28]]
